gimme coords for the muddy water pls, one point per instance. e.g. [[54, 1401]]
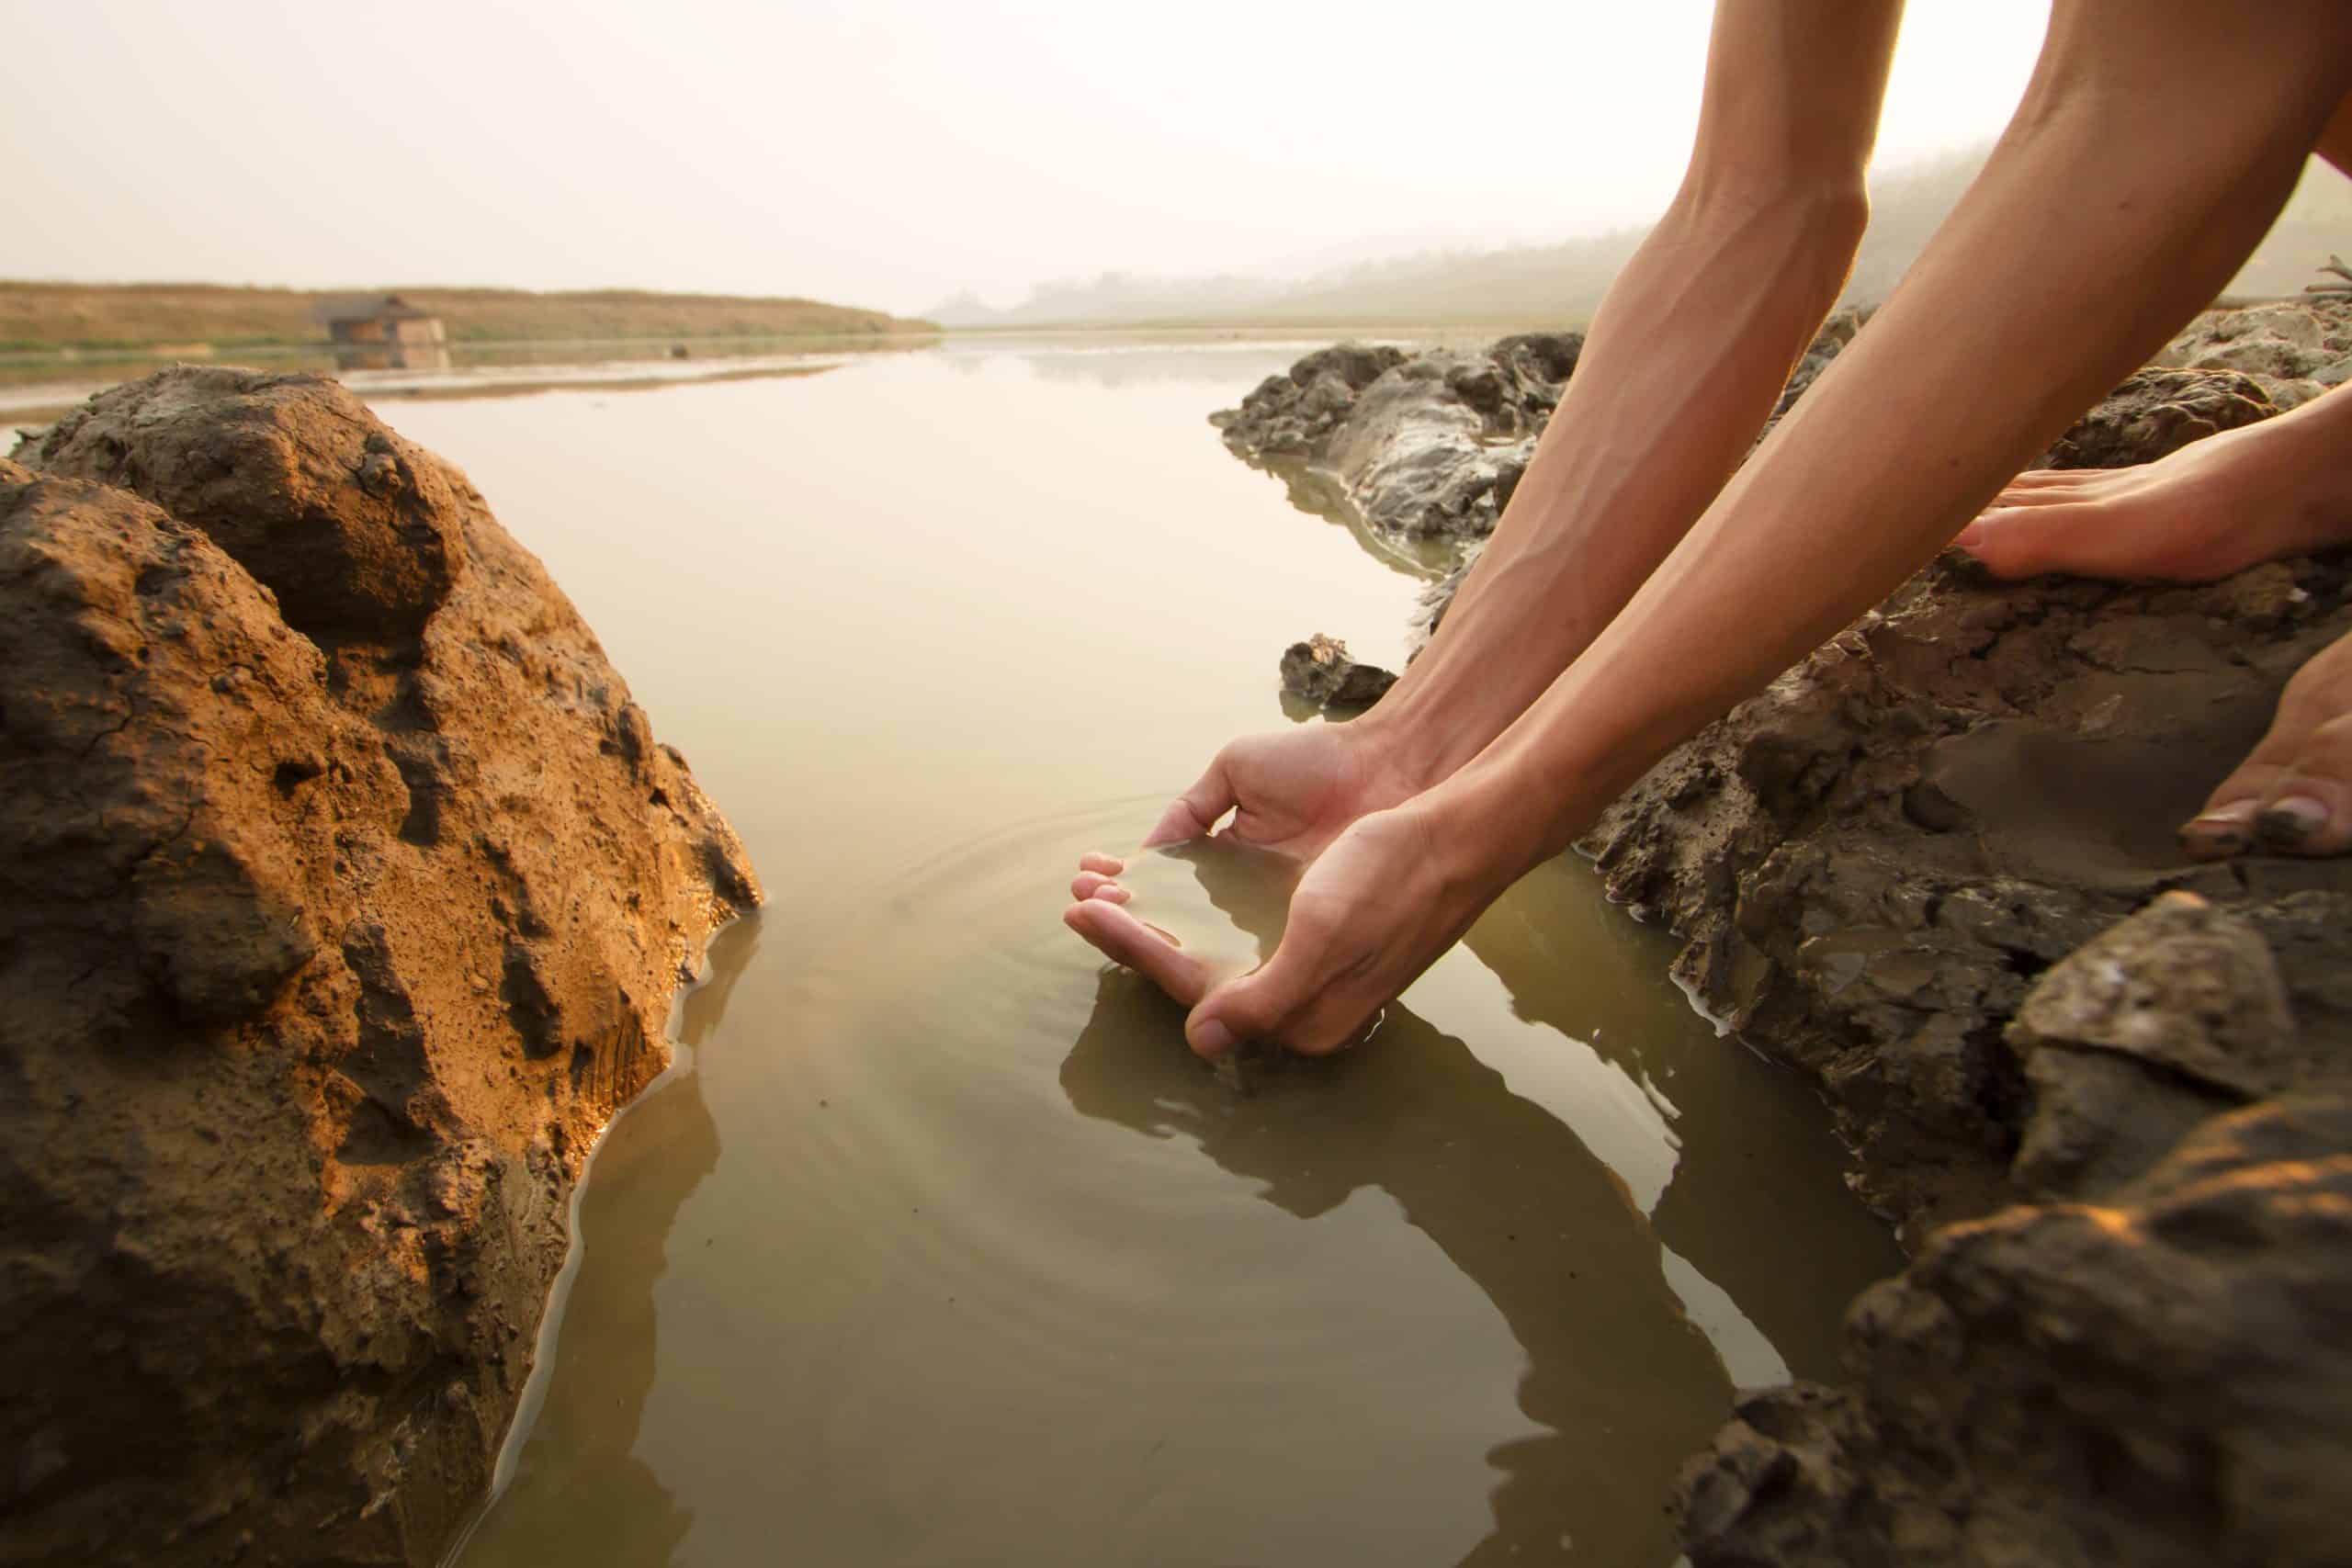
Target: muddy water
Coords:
[[939, 1249]]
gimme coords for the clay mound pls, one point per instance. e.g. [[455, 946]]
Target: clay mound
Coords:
[[343, 895], [356, 531]]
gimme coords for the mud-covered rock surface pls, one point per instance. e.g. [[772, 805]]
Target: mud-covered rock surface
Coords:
[[2161, 1376], [344, 892], [1903, 869], [1418, 448], [2295, 350], [1874, 861], [2101, 1090], [1321, 671]]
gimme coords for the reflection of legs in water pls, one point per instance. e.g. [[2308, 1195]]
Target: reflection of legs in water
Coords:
[[1625, 1385], [2280, 487]]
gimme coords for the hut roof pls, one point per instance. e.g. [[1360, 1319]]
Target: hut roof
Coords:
[[333, 307]]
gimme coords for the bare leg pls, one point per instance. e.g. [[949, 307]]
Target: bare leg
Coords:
[[2132, 156], [1684, 362]]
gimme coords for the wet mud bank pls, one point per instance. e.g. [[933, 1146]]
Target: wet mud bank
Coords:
[[344, 893], [2103, 1092]]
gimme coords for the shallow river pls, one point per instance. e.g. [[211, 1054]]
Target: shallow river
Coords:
[[937, 1247]]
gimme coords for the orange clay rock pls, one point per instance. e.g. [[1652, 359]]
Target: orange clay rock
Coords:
[[343, 895]]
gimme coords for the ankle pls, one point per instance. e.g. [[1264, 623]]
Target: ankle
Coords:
[[2306, 458]]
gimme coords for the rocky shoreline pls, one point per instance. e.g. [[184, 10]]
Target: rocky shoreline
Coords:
[[344, 893], [2099, 1090]]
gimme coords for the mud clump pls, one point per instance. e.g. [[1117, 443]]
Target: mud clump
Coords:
[[304, 760], [2159, 412], [1320, 671], [356, 531], [2294, 350]]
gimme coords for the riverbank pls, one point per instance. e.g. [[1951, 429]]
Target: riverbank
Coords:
[[37, 317], [1900, 870]]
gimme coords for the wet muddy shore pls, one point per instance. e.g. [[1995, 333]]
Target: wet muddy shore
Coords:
[[2098, 1088]]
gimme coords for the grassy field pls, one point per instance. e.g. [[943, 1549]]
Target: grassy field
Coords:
[[49, 317]]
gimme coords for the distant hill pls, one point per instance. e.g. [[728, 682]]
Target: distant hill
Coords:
[[1560, 284], [36, 316], [965, 310], [1115, 297]]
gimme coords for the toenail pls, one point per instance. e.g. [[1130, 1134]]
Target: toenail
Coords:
[[2286, 824], [2223, 830]]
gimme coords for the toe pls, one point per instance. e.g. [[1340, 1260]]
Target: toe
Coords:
[[2293, 793], [2047, 479], [2307, 810], [1102, 864], [2224, 827], [2021, 541], [2045, 486]]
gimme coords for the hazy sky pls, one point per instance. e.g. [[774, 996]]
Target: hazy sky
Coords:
[[881, 152]]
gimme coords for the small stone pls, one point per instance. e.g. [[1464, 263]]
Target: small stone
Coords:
[[1319, 670]]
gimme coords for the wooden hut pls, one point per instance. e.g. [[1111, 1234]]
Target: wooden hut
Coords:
[[378, 319]]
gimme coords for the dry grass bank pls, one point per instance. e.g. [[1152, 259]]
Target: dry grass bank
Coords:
[[50, 316]]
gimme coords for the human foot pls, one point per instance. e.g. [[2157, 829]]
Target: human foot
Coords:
[[2215, 507], [2293, 793]]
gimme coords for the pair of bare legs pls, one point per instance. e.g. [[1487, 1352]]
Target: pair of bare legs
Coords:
[[1591, 638]]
